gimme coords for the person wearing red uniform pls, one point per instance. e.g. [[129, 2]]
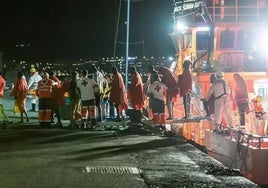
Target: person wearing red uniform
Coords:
[[19, 92], [57, 97], [118, 94], [44, 92]]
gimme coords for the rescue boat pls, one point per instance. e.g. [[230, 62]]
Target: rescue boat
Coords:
[[228, 36]]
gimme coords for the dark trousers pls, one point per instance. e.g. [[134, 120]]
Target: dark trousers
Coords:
[[170, 104], [157, 105], [241, 111], [186, 104]]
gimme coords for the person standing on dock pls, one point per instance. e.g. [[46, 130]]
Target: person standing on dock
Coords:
[[221, 91], [157, 91], [75, 97], [32, 86], [19, 92], [168, 78], [88, 88], [118, 95], [57, 97], [135, 96], [135, 90], [147, 110], [100, 79], [185, 84]]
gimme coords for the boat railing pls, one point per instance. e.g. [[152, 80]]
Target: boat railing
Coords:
[[242, 136], [235, 11], [239, 11]]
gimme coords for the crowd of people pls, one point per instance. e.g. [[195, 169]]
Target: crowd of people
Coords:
[[221, 100], [96, 96]]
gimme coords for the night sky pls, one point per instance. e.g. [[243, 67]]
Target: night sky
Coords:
[[83, 28]]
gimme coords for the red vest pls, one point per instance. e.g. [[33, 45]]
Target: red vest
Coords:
[[45, 88]]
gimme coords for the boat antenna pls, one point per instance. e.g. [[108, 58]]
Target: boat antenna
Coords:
[[117, 26]]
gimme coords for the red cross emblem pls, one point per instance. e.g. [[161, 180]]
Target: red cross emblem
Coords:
[[157, 88], [84, 83]]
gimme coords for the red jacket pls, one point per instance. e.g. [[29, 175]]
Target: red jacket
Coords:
[[2, 86], [118, 91], [57, 92], [185, 82], [170, 81], [135, 91]]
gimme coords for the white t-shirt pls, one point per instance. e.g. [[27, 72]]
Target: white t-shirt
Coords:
[[100, 79], [86, 86], [158, 89], [33, 81]]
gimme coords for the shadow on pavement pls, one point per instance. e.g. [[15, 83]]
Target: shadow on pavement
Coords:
[[121, 150]]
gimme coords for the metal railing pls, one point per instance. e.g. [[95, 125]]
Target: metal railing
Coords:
[[240, 11]]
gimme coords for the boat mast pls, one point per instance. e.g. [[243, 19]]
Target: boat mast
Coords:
[[127, 37], [127, 41], [117, 26]]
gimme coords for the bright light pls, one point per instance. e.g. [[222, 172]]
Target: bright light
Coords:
[[181, 26], [170, 58], [261, 43], [202, 29], [173, 65], [131, 58]]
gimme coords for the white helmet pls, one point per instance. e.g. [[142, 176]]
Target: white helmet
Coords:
[[219, 74]]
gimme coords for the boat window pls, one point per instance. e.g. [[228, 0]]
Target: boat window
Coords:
[[202, 39], [182, 41], [227, 39], [245, 40], [189, 40]]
